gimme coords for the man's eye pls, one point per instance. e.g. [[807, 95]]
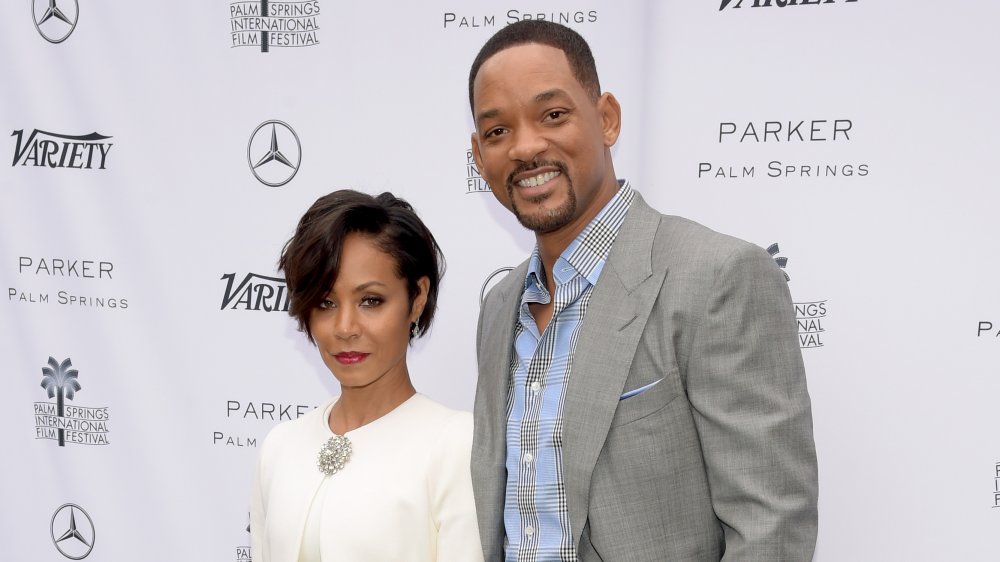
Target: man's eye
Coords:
[[495, 132], [556, 114]]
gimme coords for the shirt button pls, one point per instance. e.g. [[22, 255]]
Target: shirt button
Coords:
[[535, 386], [529, 530], [528, 457]]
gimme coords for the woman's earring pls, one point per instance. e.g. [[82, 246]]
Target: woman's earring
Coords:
[[414, 330]]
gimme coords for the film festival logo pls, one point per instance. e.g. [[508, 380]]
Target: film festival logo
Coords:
[[996, 485], [243, 551], [55, 20], [809, 316], [72, 531], [735, 4], [274, 153], [987, 330], [816, 133], [266, 24], [55, 150], [67, 423], [255, 292], [474, 183]]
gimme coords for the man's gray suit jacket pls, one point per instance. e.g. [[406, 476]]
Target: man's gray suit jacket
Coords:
[[714, 462]]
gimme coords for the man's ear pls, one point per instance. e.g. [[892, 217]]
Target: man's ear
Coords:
[[611, 117], [476, 154]]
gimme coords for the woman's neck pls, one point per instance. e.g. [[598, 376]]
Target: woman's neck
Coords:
[[360, 406]]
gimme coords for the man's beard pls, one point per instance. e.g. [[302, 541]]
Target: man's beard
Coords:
[[549, 219]]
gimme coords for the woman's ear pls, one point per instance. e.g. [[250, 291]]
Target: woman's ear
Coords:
[[420, 301]]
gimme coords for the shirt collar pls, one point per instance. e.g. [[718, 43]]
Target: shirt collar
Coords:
[[589, 251]]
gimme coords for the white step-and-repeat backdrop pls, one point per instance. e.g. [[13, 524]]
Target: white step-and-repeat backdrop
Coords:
[[144, 346]]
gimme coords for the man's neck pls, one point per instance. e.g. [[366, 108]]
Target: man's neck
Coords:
[[552, 244]]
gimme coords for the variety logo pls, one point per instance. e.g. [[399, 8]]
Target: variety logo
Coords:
[[65, 268], [816, 132], [267, 24], [985, 330], [66, 423], [474, 183], [255, 292], [454, 20], [72, 531], [55, 150], [274, 153], [55, 21], [259, 411], [491, 281], [736, 4]]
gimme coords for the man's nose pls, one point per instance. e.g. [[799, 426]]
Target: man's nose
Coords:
[[528, 144]]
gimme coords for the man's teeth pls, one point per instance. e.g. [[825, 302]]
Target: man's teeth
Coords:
[[537, 180]]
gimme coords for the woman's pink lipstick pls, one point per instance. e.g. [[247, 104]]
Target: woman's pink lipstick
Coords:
[[350, 357]]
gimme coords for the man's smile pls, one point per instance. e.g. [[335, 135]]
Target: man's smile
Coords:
[[537, 180]]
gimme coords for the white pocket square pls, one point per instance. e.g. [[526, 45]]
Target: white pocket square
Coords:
[[639, 390]]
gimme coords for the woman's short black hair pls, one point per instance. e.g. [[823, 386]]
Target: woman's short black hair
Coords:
[[311, 258]]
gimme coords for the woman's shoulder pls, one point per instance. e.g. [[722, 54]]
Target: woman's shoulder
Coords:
[[434, 413], [449, 430]]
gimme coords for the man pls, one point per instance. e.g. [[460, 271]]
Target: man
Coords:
[[641, 393]]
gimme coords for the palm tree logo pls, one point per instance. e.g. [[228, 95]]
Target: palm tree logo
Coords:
[[59, 381], [781, 261], [264, 44]]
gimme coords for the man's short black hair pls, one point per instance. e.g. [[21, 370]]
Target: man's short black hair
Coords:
[[581, 60]]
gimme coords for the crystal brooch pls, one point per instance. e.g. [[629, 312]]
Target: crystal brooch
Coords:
[[334, 455]]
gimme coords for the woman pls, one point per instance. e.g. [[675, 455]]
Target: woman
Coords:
[[380, 473]]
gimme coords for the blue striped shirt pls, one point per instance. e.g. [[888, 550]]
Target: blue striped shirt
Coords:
[[536, 517]]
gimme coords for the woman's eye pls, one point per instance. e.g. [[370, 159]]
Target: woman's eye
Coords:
[[371, 302], [326, 303]]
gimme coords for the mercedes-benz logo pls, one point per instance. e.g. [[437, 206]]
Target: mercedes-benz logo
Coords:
[[53, 22], [492, 280], [274, 153], [73, 536]]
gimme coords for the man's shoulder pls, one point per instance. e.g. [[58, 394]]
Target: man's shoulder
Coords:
[[679, 230], [683, 235]]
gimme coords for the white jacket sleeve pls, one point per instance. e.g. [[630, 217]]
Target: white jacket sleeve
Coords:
[[452, 504]]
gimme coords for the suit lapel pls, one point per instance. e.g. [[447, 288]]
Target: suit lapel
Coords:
[[616, 316], [489, 449]]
